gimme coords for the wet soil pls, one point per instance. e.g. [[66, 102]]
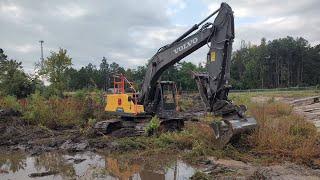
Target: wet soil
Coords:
[[17, 135], [231, 169]]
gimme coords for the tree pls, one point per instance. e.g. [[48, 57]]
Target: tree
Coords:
[[13, 80], [54, 68], [283, 62]]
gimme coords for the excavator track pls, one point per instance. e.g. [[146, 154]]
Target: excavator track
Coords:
[[135, 127]]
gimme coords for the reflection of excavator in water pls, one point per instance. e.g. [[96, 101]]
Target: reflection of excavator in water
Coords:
[[213, 85]]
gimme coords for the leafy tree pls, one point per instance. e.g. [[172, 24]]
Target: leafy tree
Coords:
[[54, 68]]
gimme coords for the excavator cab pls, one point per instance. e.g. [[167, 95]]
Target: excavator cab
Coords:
[[168, 102]]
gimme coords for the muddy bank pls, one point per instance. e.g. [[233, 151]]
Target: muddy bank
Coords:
[[223, 168], [17, 135]]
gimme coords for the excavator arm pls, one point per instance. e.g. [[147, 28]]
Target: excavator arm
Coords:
[[220, 34], [212, 85]]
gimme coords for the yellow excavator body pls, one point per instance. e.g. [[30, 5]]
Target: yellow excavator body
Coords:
[[123, 103]]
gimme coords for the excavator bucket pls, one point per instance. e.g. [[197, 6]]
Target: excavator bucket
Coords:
[[231, 127]]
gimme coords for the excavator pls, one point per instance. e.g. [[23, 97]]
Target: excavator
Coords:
[[152, 100]]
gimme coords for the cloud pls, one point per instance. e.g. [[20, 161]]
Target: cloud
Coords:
[[71, 11], [130, 32], [274, 19]]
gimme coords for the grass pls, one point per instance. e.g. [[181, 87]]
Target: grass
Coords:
[[287, 94], [283, 135]]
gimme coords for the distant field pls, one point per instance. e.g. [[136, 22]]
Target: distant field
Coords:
[[272, 93]]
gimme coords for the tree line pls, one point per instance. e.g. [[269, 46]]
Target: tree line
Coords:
[[283, 62]]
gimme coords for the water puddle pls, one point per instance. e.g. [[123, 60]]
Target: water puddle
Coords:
[[86, 165]]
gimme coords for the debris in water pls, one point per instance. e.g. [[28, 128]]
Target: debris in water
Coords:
[[42, 174]]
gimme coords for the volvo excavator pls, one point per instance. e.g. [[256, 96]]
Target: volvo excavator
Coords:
[[136, 108]]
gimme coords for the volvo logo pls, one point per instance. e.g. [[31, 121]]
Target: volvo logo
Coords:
[[186, 45]]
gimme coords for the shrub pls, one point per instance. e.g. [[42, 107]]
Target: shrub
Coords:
[[39, 112], [10, 102], [68, 112], [80, 95], [62, 112], [153, 125]]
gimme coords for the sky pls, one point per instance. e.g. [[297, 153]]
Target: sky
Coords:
[[129, 32]]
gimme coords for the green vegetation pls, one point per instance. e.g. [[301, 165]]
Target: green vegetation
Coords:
[[56, 112], [54, 68], [284, 62], [13, 80], [153, 125], [10, 102]]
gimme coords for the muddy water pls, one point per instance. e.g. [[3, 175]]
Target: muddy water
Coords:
[[86, 165]]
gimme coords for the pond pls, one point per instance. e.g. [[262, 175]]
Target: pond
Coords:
[[87, 165]]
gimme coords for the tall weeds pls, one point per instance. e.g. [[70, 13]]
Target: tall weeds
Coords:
[[284, 135], [10, 102], [58, 112]]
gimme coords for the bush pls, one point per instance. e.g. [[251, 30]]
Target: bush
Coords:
[[68, 112], [10, 102], [153, 125], [56, 112], [60, 112], [39, 112]]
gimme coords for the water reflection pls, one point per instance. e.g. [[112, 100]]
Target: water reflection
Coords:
[[87, 165]]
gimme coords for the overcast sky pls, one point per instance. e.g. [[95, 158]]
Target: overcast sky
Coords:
[[130, 32]]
